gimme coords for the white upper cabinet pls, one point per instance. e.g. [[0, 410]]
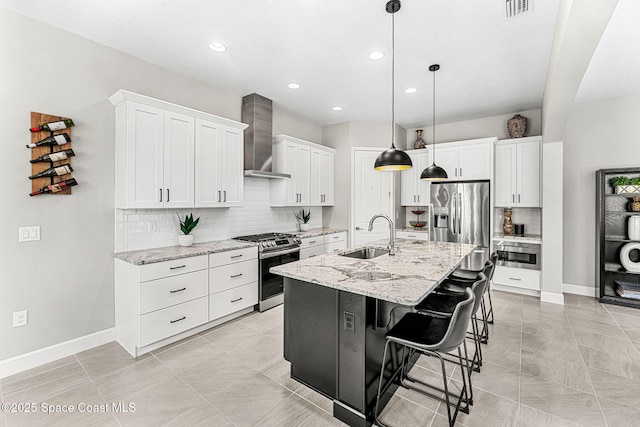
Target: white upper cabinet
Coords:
[[169, 156], [466, 160], [414, 191], [518, 172], [322, 177], [311, 167], [219, 165]]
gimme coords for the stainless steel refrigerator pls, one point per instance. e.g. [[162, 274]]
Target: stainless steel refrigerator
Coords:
[[460, 212]]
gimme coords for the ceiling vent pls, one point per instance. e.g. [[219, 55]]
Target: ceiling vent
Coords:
[[517, 7]]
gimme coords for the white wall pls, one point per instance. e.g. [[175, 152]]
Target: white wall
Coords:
[[599, 134], [66, 279]]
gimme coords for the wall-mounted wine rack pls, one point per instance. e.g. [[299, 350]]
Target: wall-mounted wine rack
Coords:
[[37, 184]]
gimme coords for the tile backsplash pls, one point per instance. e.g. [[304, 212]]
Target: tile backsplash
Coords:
[[154, 228], [530, 217]]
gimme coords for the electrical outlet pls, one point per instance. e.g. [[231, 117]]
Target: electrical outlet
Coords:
[[29, 234], [349, 322], [152, 226], [19, 318]]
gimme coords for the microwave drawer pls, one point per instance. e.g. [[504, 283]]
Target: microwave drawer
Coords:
[[517, 277]]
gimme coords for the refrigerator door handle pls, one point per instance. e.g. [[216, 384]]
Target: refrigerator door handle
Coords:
[[455, 214], [460, 215]]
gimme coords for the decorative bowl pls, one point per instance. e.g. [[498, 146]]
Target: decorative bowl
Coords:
[[417, 212], [417, 224]]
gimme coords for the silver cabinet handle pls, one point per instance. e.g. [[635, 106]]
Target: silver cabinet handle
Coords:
[[177, 290], [515, 278], [312, 242], [513, 198], [336, 237], [311, 256], [219, 196], [411, 235], [160, 193], [460, 171], [167, 194], [236, 275], [418, 198], [178, 320], [175, 268], [236, 300], [225, 195], [456, 171], [358, 228], [518, 198], [235, 256]]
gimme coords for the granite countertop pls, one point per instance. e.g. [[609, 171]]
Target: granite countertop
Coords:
[[405, 278], [525, 238], [315, 232], [149, 256]]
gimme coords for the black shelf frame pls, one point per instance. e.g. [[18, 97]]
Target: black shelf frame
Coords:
[[611, 235]]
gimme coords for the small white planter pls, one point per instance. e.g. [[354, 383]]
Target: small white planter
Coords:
[[185, 239], [303, 227], [627, 189]]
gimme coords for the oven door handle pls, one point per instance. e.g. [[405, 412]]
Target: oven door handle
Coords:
[[278, 253]]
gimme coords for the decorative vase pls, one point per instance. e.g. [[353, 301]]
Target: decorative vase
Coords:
[[303, 227], [419, 143], [635, 205], [185, 239], [517, 126], [507, 224], [634, 227]]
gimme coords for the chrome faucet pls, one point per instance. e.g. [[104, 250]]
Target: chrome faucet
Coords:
[[392, 232]]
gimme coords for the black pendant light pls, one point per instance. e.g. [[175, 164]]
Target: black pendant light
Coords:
[[393, 159], [433, 172]]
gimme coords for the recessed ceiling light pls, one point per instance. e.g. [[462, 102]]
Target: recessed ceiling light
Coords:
[[411, 90], [337, 108], [293, 86], [375, 55], [217, 47]]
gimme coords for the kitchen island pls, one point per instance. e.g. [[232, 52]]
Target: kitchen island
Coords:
[[337, 310]]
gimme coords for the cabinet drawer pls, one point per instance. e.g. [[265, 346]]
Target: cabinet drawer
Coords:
[[232, 275], [517, 277], [311, 251], [337, 237], [161, 293], [335, 246], [418, 235], [311, 241], [232, 300], [159, 270], [173, 320], [223, 258]]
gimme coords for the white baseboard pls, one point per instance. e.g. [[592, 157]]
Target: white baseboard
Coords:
[[552, 297], [586, 291], [39, 357]]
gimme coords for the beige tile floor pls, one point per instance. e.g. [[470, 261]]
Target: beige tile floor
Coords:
[[545, 365]]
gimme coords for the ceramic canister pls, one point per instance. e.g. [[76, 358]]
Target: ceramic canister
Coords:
[[634, 227]]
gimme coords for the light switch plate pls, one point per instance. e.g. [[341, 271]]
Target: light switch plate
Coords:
[[29, 234]]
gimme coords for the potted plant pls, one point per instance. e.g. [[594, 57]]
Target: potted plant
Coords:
[[625, 185], [303, 219], [186, 227]]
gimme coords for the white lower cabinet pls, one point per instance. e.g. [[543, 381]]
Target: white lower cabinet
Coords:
[[522, 278], [159, 303], [319, 245], [418, 235]]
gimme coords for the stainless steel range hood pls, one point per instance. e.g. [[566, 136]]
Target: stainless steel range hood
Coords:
[[257, 112]]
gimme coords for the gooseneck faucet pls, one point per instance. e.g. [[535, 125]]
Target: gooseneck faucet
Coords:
[[392, 232]]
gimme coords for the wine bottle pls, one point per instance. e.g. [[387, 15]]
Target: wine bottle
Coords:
[[61, 139], [54, 188], [55, 157], [51, 126], [55, 171]]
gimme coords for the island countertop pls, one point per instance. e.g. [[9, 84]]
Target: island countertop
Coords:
[[405, 278]]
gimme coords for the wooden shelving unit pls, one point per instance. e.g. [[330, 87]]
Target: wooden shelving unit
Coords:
[[611, 235]]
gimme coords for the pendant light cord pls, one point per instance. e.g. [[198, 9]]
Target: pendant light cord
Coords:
[[393, 80], [434, 117]]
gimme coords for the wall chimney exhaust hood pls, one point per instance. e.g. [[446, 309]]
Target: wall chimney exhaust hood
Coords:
[[257, 112]]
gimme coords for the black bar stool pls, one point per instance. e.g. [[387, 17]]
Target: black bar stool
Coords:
[[431, 335]]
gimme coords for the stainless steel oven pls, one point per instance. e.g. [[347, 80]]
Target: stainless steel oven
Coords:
[[518, 254], [273, 249]]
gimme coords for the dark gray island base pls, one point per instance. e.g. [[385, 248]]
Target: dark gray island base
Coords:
[[337, 311], [335, 346]]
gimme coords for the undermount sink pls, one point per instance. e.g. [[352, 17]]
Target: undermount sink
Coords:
[[366, 253]]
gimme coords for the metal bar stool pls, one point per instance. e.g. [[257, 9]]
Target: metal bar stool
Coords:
[[461, 274], [431, 335]]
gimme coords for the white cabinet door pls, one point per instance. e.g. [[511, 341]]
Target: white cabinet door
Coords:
[[528, 174], [474, 162], [207, 175], [447, 159], [178, 160], [327, 170], [232, 166], [144, 160], [415, 192], [505, 184], [289, 159], [315, 169], [422, 187], [303, 175]]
